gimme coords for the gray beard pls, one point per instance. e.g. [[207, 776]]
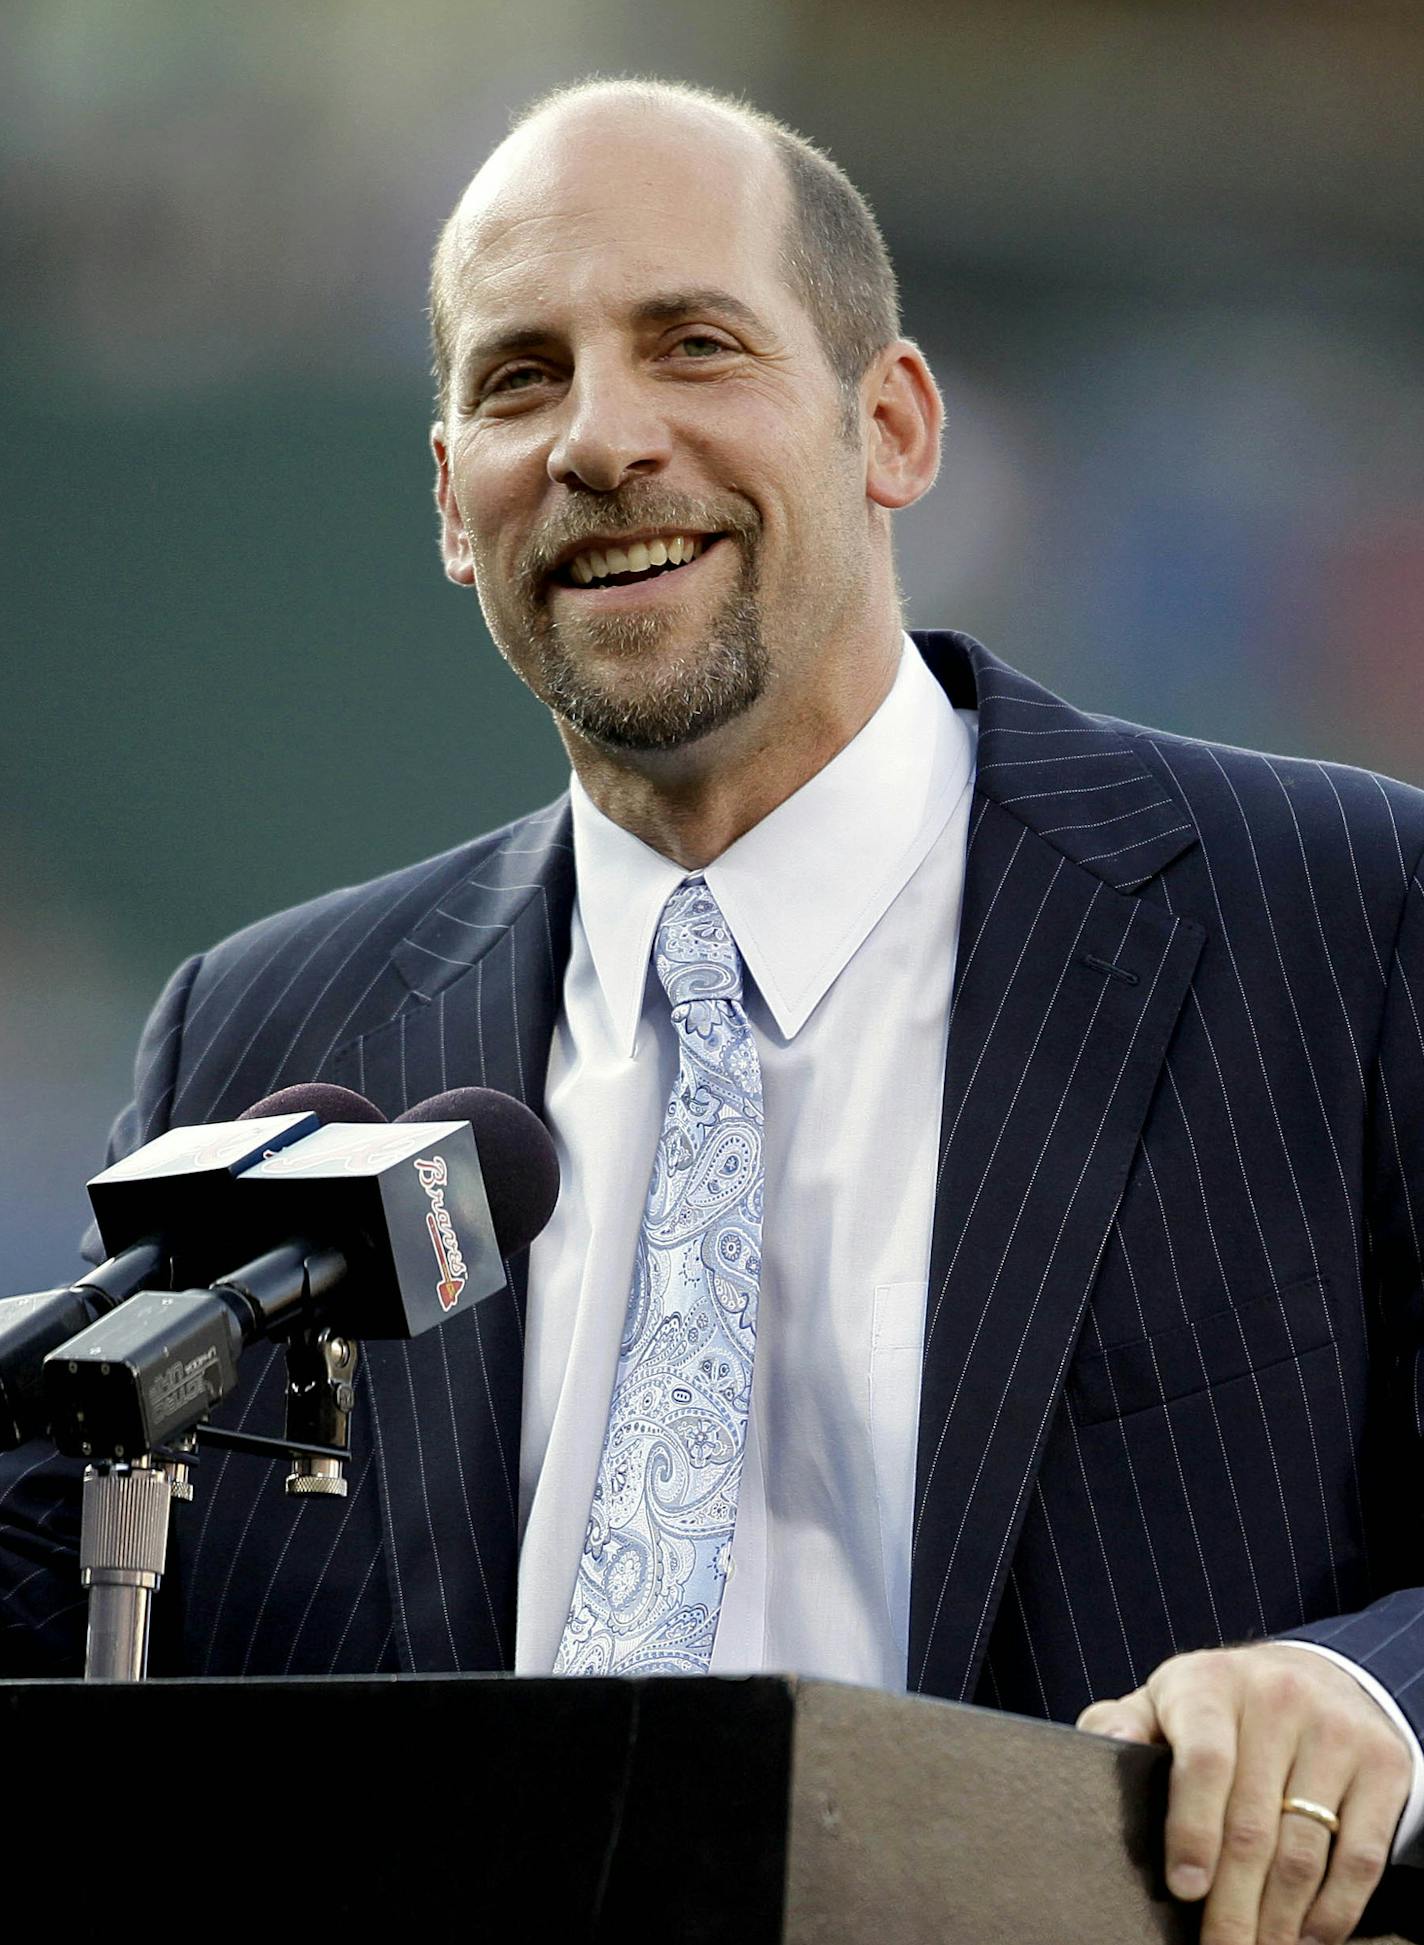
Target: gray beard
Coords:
[[711, 685]]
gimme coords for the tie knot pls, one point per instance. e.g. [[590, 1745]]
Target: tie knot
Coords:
[[694, 952]]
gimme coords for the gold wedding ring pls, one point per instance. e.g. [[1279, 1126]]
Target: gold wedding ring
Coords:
[[1301, 1806]]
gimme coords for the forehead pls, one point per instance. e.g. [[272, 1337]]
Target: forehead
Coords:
[[580, 219]]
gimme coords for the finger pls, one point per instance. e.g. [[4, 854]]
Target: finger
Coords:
[[1198, 1716], [1369, 1814], [1322, 1773], [1267, 1739], [1131, 1718]]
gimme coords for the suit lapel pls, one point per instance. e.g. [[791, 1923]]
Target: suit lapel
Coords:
[[1067, 990], [484, 970]]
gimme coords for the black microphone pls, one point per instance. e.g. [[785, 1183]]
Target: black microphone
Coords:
[[164, 1214], [32, 1326], [322, 1098], [321, 1363], [521, 1180], [180, 1184], [516, 1162], [407, 1238], [517, 1159]]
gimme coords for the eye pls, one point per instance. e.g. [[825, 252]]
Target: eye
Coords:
[[698, 345], [513, 380]]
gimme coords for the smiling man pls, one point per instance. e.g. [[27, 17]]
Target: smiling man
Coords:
[[650, 457], [1054, 1352]]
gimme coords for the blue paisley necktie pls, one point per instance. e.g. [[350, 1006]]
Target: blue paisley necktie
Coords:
[[665, 1503]]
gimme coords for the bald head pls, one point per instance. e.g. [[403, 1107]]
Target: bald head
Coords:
[[583, 126], [832, 254]]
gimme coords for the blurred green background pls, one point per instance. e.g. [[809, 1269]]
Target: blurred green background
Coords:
[[1167, 260]]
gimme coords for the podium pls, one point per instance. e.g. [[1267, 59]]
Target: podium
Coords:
[[740, 1811]]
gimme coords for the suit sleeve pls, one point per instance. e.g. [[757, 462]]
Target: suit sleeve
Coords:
[[1387, 1638], [42, 1606]]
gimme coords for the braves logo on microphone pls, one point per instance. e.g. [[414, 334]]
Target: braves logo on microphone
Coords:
[[448, 1254]]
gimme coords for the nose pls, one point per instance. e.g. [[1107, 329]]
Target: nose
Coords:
[[611, 430]]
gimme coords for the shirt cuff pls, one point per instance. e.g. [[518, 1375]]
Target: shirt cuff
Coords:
[[1412, 1820]]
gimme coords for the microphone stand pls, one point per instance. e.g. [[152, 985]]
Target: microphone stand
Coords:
[[123, 1548], [152, 1387], [321, 1390], [123, 1533]]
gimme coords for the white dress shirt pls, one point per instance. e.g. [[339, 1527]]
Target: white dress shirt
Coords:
[[844, 903]]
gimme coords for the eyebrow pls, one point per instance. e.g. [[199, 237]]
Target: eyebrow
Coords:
[[664, 308]]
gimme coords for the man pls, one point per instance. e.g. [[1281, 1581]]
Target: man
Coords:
[[1129, 1240]]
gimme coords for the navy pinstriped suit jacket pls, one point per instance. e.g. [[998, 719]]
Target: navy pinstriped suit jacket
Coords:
[[1174, 1367]]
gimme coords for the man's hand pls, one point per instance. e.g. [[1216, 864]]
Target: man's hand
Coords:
[[1249, 1727]]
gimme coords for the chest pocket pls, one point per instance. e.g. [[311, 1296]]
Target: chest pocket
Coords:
[[1196, 1356]]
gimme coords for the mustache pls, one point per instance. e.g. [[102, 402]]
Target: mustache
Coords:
[[628, 511]]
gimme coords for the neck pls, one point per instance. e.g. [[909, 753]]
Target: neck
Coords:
[[690, 804]]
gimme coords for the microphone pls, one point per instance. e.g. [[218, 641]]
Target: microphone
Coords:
[[516, 1162], [321, 1363], [408, 1236], [164, 1214], [521, 1180], [151, 1370], [322, 1098], [180, 1184], [517, 1159], [31, 1326]]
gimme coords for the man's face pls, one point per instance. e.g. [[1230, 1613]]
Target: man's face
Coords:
[[645, 467]]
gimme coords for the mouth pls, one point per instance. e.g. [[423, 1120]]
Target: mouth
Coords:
[[632, 563]]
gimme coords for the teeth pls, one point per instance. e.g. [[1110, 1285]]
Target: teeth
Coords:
[[597, 564]]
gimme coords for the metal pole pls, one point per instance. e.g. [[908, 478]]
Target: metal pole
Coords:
[[117, 1646], [123, 1546]]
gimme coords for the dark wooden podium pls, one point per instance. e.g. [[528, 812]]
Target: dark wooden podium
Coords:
[[490, 1807]]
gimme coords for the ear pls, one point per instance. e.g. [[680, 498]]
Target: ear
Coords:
[[454, 541], [906, 418]]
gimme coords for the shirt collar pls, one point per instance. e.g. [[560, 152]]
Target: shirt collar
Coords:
[[803, 888]]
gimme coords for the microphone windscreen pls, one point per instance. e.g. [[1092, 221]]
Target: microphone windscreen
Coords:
[[328, 1103], [517, 1160]]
